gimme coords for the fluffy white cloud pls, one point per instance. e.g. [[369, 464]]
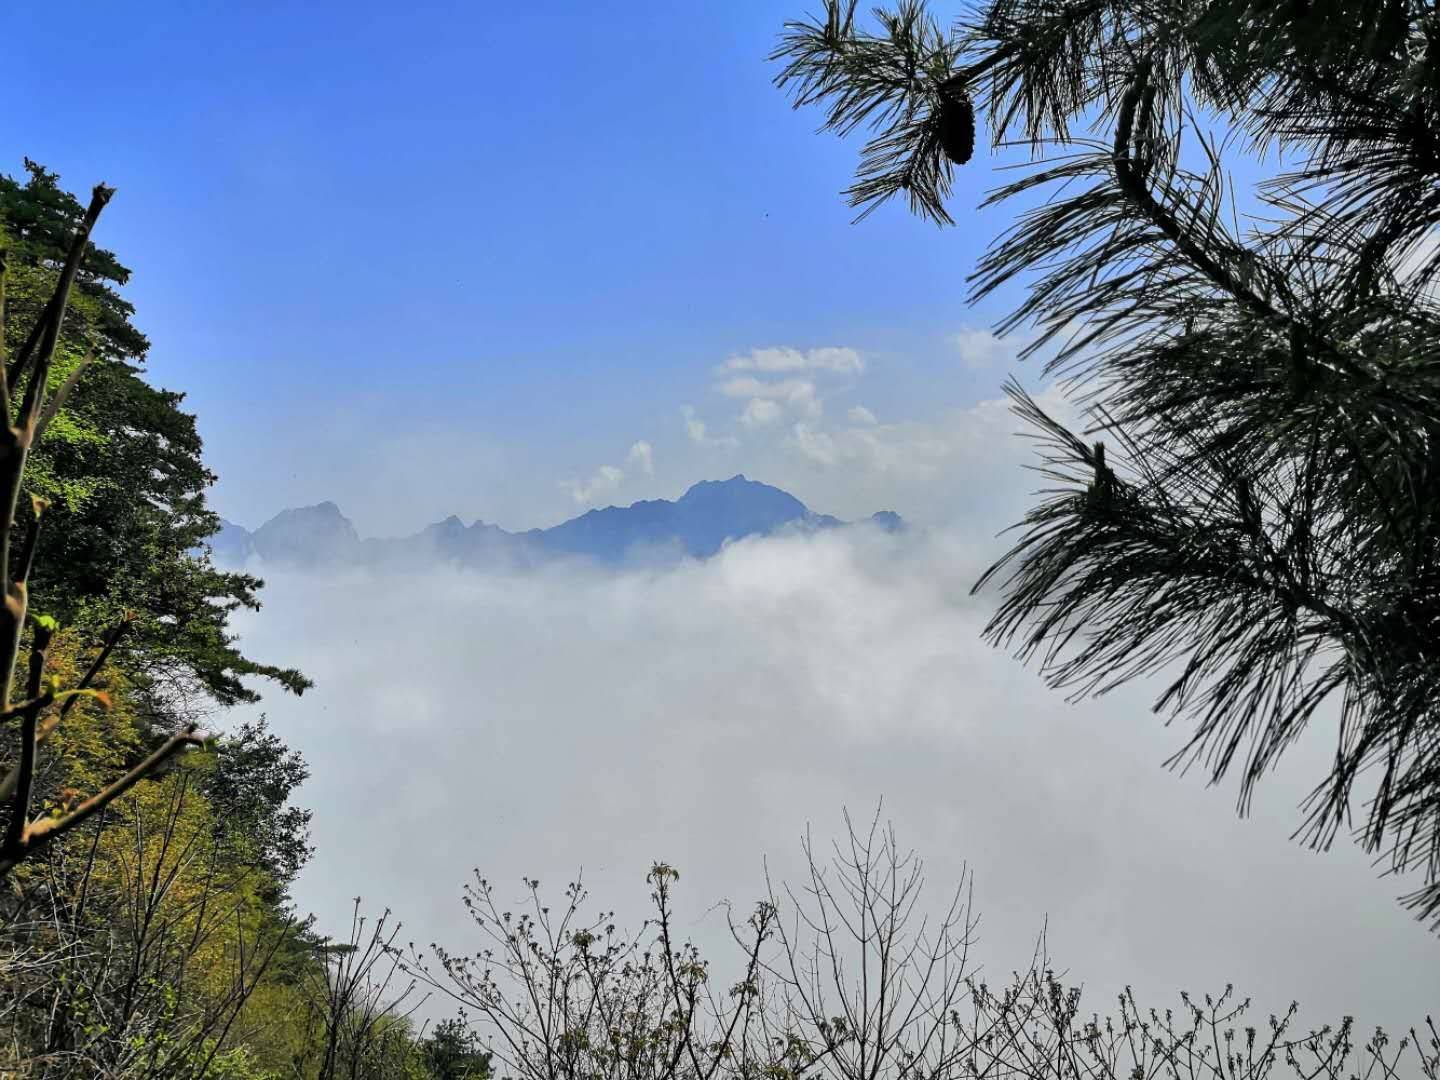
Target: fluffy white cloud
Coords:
[[858, 414], [815, 446], [915, 451], [981, 349], [706, 715], [694, 426], [749, 386], [761, 412], [798, 395], [698, 433], [605, 480], [840, 361], [642, 454]]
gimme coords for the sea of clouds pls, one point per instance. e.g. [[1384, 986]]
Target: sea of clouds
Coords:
[[570, 720]]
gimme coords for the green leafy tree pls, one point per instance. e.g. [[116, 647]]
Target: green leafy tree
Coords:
[[453, 1052], [121, 468], [1263, 510], [249, 782], [114, 467], [29, 406]]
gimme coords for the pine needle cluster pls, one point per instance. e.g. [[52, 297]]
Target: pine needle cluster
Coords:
[[1259, 518]]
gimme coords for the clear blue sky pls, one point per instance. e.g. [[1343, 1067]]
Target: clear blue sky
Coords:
[[506, 241]]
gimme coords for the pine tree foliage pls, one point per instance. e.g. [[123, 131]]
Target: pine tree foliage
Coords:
[[122, 470], [1264, 527]]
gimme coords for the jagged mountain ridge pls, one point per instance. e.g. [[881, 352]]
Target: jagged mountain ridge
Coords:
[[696, 525]]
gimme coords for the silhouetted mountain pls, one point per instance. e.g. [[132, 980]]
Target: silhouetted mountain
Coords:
[[697, 525], [888, 520], [232, 545], [307, 536]]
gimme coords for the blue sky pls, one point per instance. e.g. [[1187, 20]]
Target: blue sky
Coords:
[[507, 240]]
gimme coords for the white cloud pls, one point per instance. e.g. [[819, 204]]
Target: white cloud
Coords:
[[798, 395], [749, 386], [981, 349], [858, 414], [917, 451], [605, 480], [705, 715], [698, 433], [608, 478], [841, 361], [760, 412], [643, 455], [694, 426], [814, 445]]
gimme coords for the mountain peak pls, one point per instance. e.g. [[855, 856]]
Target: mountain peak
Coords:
[[307, 534], [709, 515], [714, 511], [321, 511], [736, 484], [888, 520]]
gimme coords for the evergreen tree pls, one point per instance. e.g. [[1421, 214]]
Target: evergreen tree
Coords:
[[454, 1052], [121, 467], [1262, 508]]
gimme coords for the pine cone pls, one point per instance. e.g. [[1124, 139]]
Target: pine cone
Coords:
[[957, 121]]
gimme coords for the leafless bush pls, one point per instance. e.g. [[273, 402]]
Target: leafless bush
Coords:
[[870, 985], [844, 977], [1033, 1030], [354, 1020], [840, 980]]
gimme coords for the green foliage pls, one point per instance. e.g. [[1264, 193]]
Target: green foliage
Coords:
[[121, 464], [453, 1051], [144, 892], [249, 783]]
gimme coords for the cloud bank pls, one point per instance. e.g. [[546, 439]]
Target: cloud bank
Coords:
[[705, 715]]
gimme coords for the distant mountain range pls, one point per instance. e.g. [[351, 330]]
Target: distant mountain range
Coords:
[[696, 525]]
